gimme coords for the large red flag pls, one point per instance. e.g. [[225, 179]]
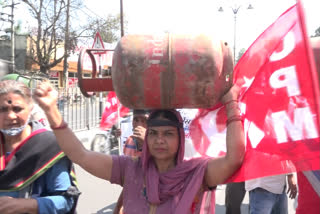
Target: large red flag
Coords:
[[279, 101], [110, 115]]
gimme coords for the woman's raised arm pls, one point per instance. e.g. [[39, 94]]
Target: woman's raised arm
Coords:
[[219, 169], [97, 164]]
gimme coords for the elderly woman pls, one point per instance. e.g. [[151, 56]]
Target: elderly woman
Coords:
[[34, 172], [160, 181]]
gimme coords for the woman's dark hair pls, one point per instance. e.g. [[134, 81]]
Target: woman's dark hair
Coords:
[[169, 115], [165, 114]]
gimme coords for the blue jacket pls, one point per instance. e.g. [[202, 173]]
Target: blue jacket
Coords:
[[57, 178], [49, 187]]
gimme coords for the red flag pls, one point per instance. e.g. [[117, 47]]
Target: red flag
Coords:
[[279, 100], [110, 114]]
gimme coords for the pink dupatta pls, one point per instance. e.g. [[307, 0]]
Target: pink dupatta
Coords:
[[184, 181]]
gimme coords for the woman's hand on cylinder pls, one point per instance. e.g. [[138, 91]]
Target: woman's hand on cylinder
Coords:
[[230, 100], [220, 169], [46, 96]]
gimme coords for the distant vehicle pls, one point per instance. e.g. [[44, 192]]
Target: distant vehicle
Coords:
[[106, 141]]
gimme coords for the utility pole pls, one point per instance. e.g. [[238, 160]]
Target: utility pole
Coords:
[[12, 36], [66, 47], [235, 10], [122, 34], [121, 18], [11, 20]]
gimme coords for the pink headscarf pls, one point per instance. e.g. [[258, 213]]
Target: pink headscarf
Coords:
[[184, 181]]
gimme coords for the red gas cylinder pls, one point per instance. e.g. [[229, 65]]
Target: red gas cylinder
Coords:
[[171, 71]]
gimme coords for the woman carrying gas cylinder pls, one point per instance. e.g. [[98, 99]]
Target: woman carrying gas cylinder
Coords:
[[160, 181]]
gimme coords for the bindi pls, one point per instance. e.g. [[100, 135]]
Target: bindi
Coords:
[[9, 101]]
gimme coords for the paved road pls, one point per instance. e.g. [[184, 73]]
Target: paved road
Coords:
[[99, 196]]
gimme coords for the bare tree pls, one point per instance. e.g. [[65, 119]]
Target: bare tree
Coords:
[[109, 28], [316, 33], [53, 34], [49, 36], [241, 52]]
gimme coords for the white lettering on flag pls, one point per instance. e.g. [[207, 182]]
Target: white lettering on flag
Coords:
[[111, 117], [114, 101], [108, 104], [286, 77], [288, 47], [254, 133], [303, 122]]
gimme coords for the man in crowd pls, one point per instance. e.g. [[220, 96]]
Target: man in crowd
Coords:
[[134, 143], [269, 194]]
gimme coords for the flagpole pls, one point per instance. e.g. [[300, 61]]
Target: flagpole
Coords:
[[121, 18], [119, 138], [122, 34]]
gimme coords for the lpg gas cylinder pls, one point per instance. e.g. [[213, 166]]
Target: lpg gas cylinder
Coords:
[[171, 71]]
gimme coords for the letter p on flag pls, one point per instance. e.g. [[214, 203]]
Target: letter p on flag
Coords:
[[280, 105], [286, 77]]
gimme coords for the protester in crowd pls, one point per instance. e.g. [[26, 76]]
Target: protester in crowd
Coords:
[[160, 181], [133, 145], [234, 195], [267, 195], [34, 172], [309, 192], [37, 113]]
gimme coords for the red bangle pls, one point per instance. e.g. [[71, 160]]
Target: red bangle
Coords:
[[63, 125], [234, 118]]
